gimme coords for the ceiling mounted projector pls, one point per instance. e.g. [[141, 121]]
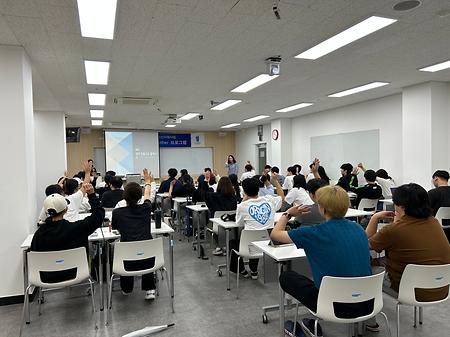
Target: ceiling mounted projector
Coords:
[[273, 64]]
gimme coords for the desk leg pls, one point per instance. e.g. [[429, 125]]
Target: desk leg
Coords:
[[198, 233], [25, 284], [100, 273], [280, 268], [172, 287], [227, 237], [108, 274]]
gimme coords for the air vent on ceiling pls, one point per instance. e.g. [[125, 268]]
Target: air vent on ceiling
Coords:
[[122, 124], [132, 100]]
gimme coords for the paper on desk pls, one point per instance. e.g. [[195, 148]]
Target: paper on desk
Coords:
[[149, 330]]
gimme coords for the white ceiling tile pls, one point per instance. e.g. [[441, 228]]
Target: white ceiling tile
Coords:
[[60, 19], [19, 8]]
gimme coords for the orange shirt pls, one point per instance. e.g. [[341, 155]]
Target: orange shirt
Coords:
[[411, 240]]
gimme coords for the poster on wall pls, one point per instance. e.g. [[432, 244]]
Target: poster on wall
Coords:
[[197, 139]]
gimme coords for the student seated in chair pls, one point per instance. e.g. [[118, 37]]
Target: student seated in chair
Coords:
[[313, 216], [348, 179], [383, 179], [440, 195], [254, 213], [112, 197], [75, 193], [369, 191], [298, 196], [133, 223], [57, 233], [249, 172], [337, 247]]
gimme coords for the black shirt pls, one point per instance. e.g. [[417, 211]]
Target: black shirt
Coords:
[[347, 182], [178, 190], [111, 198], [133, 222], [220, 202], [62, 234], [369, 191], [439, 197]]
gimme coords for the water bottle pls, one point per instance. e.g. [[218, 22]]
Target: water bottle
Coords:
[[158, 214]]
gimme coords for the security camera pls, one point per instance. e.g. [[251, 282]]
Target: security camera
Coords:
[[276, 9], [200, 117]]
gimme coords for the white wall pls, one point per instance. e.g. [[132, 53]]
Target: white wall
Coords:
[[50, 146], [246, 141], [18, 186], [384, 114]]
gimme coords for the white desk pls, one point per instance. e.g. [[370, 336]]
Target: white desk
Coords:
[[354, 213], [387, 201], [177, 204], [163, 195], [281, 255], [198, 209], [227, 226], [352, 195]]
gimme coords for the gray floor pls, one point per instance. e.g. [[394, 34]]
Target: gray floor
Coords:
[[203, 308]]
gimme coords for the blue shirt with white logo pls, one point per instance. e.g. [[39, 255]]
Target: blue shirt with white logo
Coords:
[[338, 247]]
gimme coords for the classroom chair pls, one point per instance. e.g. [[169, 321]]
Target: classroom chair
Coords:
[[247, 250], [368, 204], [443, 216], [422, 277], [135, 251], [214, 230], [348, 290], [41, 264]]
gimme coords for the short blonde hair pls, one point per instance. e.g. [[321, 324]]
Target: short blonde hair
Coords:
[[334, 199]]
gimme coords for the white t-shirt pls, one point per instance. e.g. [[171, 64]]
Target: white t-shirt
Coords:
[[258, 213], [386, 185], [298, 196], [288, 183], [310, 176], [247, 175], [76, 202]]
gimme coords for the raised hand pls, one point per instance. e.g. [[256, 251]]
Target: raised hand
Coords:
[[148, 178], [88, 188]]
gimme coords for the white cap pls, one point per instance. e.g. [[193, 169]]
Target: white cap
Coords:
[[55, 203]]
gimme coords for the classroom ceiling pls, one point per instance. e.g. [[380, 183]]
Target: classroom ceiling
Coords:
[[185, 53]]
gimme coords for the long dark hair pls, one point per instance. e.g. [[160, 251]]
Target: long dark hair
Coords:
[[235, 183], [323, 175], [225, 186], [233, 160]]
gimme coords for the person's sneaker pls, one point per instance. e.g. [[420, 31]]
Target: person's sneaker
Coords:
[[150, 294], [307, 325], [289, 329], [254, 275], [245, 274], [373, 327], [218, 251], [124, 293]]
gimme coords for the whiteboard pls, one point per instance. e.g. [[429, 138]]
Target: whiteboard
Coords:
[[193, 159], [353, 147]]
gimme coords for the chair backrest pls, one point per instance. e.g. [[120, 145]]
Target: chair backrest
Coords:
[[57, 261], [368, 204], [249, 236], [443, 213], [135, 178], [349, 290], [422, 277], [137, 250]]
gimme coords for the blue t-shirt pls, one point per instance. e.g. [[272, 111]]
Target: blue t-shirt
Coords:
[[338, 247]]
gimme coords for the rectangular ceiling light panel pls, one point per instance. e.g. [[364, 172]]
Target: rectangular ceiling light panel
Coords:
[[97, 18], [355, 90], [97, 72], [346, 37], [253, 83]]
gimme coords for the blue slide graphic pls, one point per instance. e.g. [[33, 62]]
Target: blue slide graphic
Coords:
[[119, 155]]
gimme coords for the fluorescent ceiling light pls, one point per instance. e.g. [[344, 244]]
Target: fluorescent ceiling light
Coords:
[[226, 104], [96, 122], [97, 18], [437, 67], [255, 82], [96, 99], [346, 37], [97, 113], [355, 90], [96, 72], [170, 125], [294, 107], [256, 118], [232, 125], [189, 116]]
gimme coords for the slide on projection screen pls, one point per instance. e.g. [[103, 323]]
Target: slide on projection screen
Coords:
[[128, 152]]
